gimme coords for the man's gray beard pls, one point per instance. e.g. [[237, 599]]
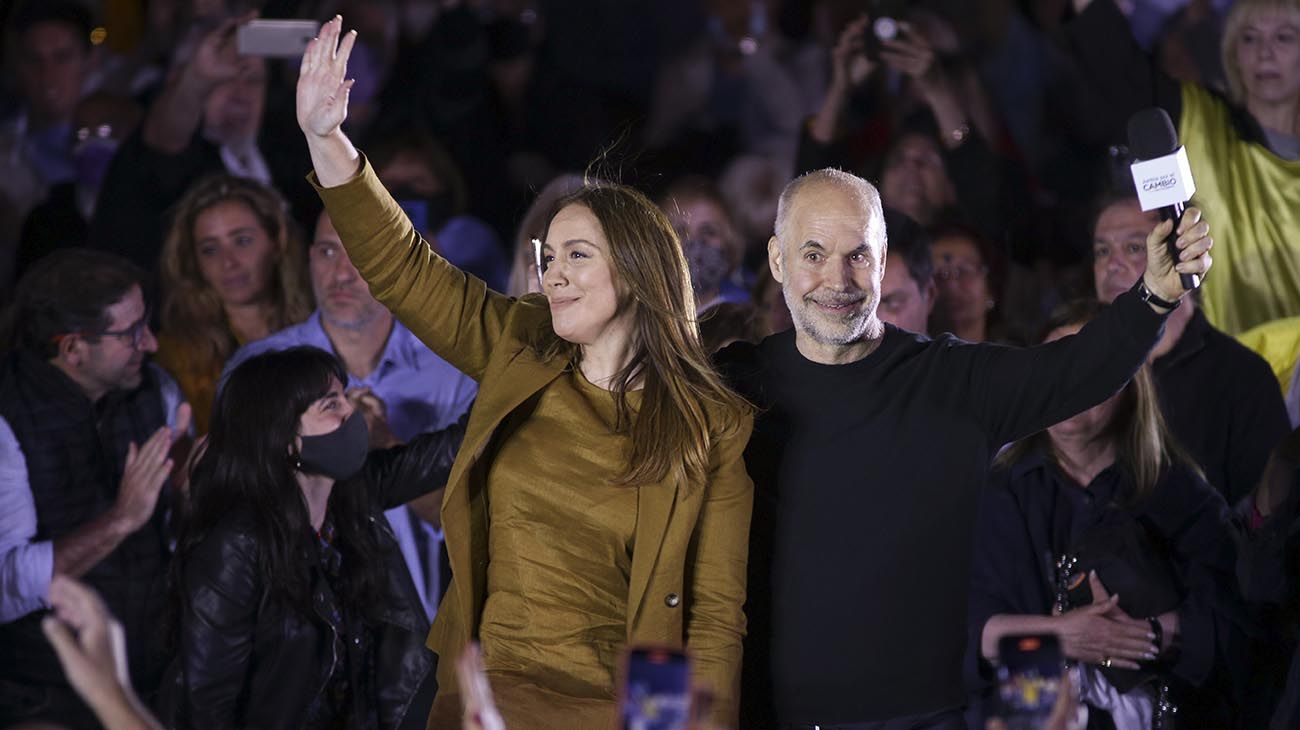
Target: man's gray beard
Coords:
[[866, 325], [363, 320]]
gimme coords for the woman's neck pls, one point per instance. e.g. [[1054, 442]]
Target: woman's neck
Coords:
[[316, 491], [1082, 458], [974, 330], [249, 322], [1278, 117], [605, 358]]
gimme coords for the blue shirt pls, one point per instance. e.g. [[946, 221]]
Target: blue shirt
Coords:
[[423, 393]]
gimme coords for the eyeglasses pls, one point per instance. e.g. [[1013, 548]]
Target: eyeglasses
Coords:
[[135, 331], [963, 271]]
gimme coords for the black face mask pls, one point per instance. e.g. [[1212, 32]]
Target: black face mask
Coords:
[[339, 454]]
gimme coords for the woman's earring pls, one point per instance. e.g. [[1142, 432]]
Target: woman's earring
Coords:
[[990, 304]]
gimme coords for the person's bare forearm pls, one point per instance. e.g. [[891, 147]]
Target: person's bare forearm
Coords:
[[124, 711], [80, 550], [175, 114], [334, 158], [948, 112], [825, 123]]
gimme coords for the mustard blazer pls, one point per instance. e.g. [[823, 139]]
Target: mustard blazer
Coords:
[[687, 583]]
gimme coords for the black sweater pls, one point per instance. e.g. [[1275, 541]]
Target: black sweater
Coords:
[[866, 477]]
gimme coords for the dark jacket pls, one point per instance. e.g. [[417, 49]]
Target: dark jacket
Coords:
[[249, 659], [1032, 513], [1222, 402], [1268, 568], [76, 453]]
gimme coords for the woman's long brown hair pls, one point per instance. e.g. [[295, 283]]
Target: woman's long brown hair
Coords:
[[685, 406], [1144, 446], [192, 310]]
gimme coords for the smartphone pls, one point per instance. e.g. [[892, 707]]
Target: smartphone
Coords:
[[275, 38], [656, 693], [887, 17], [1029, 679]]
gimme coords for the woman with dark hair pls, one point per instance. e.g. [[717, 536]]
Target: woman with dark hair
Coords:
[[601, 498], [1144, 606], [293, 607]]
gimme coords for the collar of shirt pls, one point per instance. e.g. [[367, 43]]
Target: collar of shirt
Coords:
[[397, 351], [1104, 488]]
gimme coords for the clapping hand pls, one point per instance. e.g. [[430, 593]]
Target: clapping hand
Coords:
[[375, 411], [91, 647], [322, 84]]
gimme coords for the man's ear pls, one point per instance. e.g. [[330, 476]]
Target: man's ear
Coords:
[[774, 260], [71, 350], [931, 293]]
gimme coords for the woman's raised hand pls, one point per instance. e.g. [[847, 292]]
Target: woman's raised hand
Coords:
[[322, 83]]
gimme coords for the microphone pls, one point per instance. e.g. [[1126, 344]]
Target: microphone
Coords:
[[1161, 174]]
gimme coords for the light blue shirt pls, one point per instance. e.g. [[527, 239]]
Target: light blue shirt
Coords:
[[423, 393], [26, 567]]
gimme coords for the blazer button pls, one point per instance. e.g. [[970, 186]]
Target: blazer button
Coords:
[[672, 599]]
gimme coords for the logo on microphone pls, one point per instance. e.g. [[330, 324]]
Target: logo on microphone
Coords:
[[1163, 182]]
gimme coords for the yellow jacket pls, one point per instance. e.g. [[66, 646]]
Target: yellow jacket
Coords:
[[687, 584]]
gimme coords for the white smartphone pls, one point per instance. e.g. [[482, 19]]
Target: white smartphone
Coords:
[[275, 38]]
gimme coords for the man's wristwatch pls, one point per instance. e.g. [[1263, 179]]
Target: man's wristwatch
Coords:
[[1149, 296]]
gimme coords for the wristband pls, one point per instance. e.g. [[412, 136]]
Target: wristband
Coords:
[[1146, 295], [1159, 631]]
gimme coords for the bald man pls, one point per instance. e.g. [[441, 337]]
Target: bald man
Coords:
[[868, 453]]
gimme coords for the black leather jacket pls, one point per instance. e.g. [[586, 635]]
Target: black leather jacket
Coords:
[[248, 660]]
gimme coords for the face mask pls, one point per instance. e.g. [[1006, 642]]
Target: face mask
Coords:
[[428, 215], [339, 454], [708, 265], [92, 159]]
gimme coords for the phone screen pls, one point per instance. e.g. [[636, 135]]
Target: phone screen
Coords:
[[656, 690], [1029, 679]]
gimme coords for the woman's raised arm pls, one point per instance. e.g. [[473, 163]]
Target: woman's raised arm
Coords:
[[322, 104]]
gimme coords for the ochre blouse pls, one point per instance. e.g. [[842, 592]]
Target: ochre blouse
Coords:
[[560, 543]]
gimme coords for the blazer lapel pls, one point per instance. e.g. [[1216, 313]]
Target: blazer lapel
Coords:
[[655, 504]]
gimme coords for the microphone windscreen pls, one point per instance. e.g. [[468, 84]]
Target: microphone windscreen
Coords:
[[1151, 134]]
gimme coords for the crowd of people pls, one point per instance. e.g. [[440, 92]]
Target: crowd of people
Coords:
[[409, 378]]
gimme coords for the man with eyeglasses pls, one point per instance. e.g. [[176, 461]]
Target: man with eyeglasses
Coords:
[[86, 431]]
